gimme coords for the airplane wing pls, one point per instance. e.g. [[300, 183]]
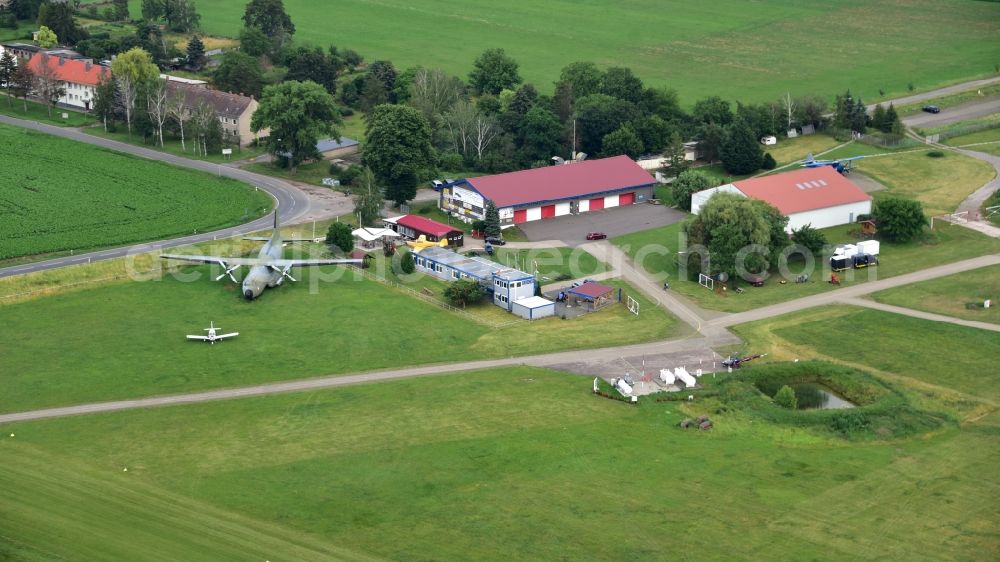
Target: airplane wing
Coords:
[[221, 260], [282, 263], [267, 238], [224, 336], [199, 338]]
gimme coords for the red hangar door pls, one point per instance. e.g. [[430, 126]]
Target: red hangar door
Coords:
[[597, 204], [548, 211], [626, 198], [520, 215]]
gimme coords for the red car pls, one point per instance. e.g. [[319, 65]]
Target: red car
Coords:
[[596, 236]]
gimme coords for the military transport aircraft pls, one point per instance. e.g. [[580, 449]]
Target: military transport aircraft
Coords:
[[213, 335], [268, 269]]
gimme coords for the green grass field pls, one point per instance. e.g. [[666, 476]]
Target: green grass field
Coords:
[[514, 463], [173, 145], [39, 112], [48, 205], [750, 52], [987, 141], [126, 339], [656, 250], [950, 295], [551, 263]]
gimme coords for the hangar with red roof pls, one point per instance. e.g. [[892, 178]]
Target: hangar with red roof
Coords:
[[414, 226], [820, 197], [552, 191]]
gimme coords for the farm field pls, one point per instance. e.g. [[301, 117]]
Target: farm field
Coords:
[[950, 295], [134, 341], [476, 466], [656, 249], [48, 205], [728, 48]]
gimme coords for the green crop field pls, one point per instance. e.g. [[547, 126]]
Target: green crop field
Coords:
[[126, 339], [505, 464], [59, 195], [960, 295], [748, 51]]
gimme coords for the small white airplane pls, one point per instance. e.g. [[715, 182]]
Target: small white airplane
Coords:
[[213, 335]]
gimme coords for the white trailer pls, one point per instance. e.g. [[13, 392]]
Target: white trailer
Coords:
[[667, 376], [623, 387], [869, 247], [685, 377]]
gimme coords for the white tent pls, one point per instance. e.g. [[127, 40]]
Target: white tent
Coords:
[[369, 234], [685, 377]]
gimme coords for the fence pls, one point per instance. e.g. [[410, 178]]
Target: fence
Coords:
[[967, 129]]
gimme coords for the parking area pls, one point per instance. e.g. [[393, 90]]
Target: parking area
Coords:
[[573, 229]]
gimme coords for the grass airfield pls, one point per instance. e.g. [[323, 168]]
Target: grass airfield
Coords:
[[126, 339]]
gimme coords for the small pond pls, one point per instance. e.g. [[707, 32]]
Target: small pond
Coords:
[[812, 396]]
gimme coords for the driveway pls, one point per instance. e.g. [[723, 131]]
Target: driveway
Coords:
[[616, 221]]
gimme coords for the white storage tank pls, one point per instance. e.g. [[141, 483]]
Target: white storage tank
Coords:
[[869, 247], [623, 387]]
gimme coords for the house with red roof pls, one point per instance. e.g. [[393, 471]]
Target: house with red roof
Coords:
[[414, 226], [79, 77], [552, 191], [821, 197]]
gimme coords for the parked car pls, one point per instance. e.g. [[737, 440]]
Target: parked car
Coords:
[[495, 241], [931, 109], [596, 236]]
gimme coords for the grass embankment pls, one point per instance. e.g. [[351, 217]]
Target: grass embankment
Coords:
[[960, 295], [727, 49], [172, 145], [63, 195], [40, 112], [551, 264], [656, 251], [466, 466], [133, 343], [932, 356], [987, 141], [950, 100]]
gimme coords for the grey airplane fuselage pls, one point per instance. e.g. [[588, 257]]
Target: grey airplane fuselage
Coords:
[[261, 276]]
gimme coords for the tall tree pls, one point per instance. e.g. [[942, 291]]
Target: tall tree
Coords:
[[298, 114], [580, 79], [156, 105], [177, 109], [104, 100], [398, 149], [740, 152], [47, 38], [339, 235], [494, 71], [674, 153], [368, 204], [712, 109], [710, 139], [270, 17], [47, 83], [59, 18], [195, 53], [7, 67], [311, 63], [687, 184], [239, 73], [491, 222], [133, 71], [121, 9], [22, 82], [598, 115], [622, 140], [524, 99], [899, 219], [433, 92], [725, 225], [541, 136], [386, 74], [621, 83], [254, 42]]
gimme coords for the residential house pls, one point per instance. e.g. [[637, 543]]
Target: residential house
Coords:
[[79, 77], [234, 110]]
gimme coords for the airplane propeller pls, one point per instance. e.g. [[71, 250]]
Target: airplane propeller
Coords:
[[229, 271], [284, 273]]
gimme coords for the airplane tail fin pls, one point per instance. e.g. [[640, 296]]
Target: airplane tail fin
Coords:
[[810, 159]]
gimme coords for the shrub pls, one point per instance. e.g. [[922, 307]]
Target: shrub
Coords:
[[786, 398], [406, 263], [768, 163], [339, 235], [899, 219], [936, 154]]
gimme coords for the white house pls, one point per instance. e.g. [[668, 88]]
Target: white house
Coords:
[[821, 197], [79, 77]]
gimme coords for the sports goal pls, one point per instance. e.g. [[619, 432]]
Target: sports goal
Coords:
[[706, 281], [633, 305]]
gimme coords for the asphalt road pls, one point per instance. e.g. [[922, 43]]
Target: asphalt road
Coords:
[[291, 202], [971, 110], [953, 89], [715, 336]]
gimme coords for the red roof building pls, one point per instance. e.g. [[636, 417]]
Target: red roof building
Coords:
[[821, 197], [551, 191], [78, 76], [414, 226]]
